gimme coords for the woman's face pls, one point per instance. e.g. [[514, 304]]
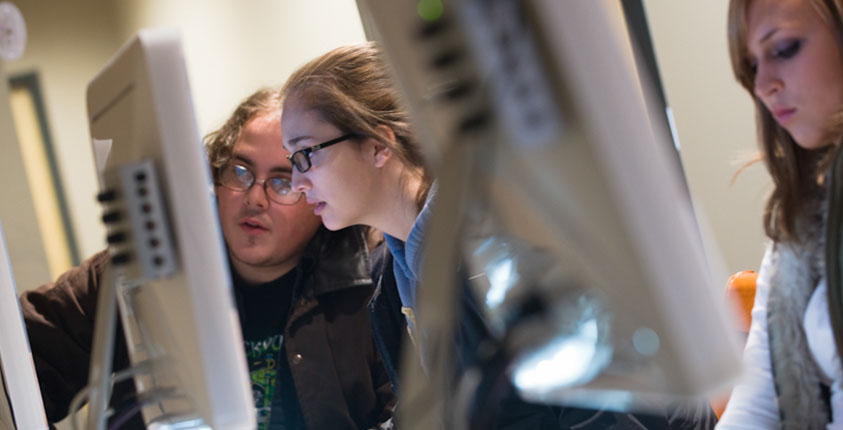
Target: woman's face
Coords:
[[341, 181], [798, 67]]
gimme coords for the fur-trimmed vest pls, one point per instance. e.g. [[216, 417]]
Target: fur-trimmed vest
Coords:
[[795, 272]]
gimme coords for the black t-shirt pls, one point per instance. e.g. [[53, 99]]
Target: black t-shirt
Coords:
[[264, 310]]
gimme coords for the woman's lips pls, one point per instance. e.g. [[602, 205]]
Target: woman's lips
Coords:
[[782, 115], [319, 208]]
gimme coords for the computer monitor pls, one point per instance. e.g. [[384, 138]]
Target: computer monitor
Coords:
[[572, 218], [167, 252], [21, 406]]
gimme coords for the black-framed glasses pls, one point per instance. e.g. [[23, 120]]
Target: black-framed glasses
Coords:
[[238, 177], [301, 158]]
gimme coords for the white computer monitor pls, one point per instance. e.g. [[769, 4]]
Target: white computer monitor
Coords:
[[174, 288], [577, 230], [21, 406]]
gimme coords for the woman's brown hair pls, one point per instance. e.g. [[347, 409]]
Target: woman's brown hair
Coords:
[[351, 87], [797, 173]]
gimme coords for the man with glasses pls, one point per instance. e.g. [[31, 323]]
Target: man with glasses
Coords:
[[298, 287]]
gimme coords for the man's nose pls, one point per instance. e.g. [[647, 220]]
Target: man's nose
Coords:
[[256, 195]]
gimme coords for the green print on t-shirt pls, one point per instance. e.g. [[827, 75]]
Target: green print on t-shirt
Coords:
[[263, 369]]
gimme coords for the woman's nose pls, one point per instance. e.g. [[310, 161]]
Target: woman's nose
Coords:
[[767, 82], [299, 182]]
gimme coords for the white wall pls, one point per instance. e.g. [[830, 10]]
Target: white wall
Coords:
[[232, 48], [715, 122]]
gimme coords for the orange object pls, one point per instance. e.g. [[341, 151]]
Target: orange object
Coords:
[[740, 296], [740, 292]]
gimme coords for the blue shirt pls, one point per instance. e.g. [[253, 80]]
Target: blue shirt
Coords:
[[408, 255]]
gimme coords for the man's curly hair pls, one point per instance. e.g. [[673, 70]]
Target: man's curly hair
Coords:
[[220, 143]]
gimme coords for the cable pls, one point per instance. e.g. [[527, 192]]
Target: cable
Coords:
[[83, 395], [76, 404], [133, 404]]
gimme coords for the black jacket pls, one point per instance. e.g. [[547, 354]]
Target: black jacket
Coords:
[[339, 378]]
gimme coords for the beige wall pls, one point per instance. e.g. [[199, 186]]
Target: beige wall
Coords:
[[68, 43], [715, 124], [17, 212]]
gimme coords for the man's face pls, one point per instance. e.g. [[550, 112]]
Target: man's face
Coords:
[[265, 239]]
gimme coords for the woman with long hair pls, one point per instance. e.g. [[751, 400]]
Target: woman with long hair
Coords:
[[788, 54]]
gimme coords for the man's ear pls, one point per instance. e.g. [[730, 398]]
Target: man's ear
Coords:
[[382, 151]]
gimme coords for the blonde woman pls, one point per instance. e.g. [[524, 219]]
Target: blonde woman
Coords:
[[787, 54]]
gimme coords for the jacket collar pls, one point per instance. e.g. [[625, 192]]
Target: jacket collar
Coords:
[[336, 260]]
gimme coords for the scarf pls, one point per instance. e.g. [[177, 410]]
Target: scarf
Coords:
[[795, 271]]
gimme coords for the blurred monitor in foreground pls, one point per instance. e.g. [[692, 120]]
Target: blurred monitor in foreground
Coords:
[[21, 406], [167, 253], [576, 227]]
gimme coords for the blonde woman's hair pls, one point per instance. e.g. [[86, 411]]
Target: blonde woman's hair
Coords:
[[797, 173]]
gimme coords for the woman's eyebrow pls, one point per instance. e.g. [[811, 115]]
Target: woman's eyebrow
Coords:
[[295, 141], [768, 35]]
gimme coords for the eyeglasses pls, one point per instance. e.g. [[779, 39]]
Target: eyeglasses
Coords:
[[239, 178], [301, 158]]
